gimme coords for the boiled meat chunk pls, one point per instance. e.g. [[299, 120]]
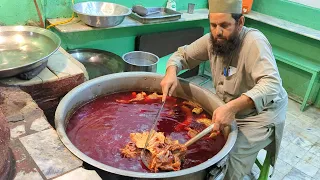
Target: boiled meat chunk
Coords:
[[165, 153]]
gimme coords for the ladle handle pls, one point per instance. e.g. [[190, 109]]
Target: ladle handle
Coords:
[[200, 135]]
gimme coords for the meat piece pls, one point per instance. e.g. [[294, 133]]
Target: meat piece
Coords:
[[165, 153], [130, 150], [192, 133], [191, 104], [154, 96], [197, 109], [168, 157], [205, 121], [138, 97], [139, 138]]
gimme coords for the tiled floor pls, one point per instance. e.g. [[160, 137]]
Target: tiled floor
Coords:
[[299, 157]]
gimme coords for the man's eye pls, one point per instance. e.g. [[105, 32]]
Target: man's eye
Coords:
[[224, 26], [214, 25]]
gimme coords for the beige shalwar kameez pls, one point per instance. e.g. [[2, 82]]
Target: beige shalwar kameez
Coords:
[[253, 73]]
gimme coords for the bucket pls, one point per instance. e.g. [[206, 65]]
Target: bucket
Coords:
[[246, 6], [140, 61]]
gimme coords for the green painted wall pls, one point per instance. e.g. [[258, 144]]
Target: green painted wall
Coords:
[[289, 11], [301, 45], [297, 44], [120, 40], [19, 12]]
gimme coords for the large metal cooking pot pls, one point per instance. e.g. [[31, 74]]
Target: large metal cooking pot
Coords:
[[138, 81], [23, 48], [98, 62]]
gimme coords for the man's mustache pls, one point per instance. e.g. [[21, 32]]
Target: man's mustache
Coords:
[[220, 37]]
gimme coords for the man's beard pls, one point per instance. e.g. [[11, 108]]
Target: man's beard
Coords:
[[225, 47]]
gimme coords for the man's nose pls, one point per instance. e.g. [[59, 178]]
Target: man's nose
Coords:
[[219, 31]]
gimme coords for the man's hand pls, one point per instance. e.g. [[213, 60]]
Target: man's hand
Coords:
[[223, 116], [169, 82]]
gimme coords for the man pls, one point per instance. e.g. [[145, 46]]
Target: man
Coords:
[[246, 78]]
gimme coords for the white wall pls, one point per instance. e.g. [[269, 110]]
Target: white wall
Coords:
[[311, 3]]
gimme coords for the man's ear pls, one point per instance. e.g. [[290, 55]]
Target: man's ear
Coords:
[[241, 23]]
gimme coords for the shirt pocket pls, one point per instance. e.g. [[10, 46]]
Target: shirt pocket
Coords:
[[229, 85]]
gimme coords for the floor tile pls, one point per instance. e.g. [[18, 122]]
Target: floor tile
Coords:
[[17, 131], [313, 113], [290, 133], [294, 108], [296, 174], [311, 159], [307, 168], [32, 175], [25, 168], [48, 152], [40, 124], [80, 174], [292, 154], [305, 118], [277, 176], [283, 167], [317, 176], [306, 140], [316, 149]]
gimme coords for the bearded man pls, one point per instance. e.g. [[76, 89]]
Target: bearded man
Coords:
[[246, 78]]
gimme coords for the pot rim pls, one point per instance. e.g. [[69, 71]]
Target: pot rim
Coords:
[[60, 123], [140, 65]]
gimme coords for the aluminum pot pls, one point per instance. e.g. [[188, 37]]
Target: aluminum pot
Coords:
[[140, 61], [138, 81], [24, 48], [98, 62]]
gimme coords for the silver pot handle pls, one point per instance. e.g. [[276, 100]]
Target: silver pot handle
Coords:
[[218, 170]]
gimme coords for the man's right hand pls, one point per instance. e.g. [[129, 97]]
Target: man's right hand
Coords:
[[169, 82]]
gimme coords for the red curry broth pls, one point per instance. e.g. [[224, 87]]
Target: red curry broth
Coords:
[[102, 127]]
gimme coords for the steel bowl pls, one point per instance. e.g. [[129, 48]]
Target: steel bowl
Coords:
[[98, 62], [23, 48], [140, 61], [101, 14], [139, 81]]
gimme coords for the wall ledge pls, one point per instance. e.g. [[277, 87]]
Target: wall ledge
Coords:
[[283, 24], [76, 25]]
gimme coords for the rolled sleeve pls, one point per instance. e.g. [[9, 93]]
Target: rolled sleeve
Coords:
[[264, 73]]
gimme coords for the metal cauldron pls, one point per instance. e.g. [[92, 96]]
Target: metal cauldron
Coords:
[[140, 61], [138, 81], [23, 48]]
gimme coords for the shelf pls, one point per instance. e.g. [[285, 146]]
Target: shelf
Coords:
[[286, 25], [76, 25], [199, 14]]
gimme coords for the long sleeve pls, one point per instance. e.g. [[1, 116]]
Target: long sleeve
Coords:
[[263, 70], [189, 56]]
